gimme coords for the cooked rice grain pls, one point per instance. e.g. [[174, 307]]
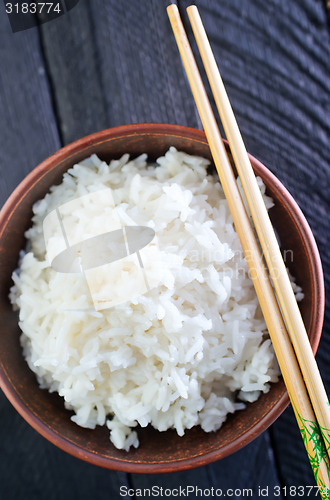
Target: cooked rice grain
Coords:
[[188, 352]]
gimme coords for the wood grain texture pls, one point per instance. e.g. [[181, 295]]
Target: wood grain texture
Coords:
[[71, 61], [108, 63], [107, 71], [27, 124], [141, 69]]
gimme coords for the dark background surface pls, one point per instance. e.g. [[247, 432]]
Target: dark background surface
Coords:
[[108, 63]]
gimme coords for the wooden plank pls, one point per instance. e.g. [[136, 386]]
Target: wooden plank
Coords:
[[112, 63], [68, 45], [140, 66], [28, 127]]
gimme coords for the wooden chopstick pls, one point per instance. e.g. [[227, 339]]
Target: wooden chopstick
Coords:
[[283, 348], [265, 231]]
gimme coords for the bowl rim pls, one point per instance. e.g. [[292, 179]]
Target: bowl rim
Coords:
[[125, 465]]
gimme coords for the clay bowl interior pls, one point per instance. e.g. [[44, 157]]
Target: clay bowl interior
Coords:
[[158, 452]]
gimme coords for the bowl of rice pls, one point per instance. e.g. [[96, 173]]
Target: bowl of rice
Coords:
[[131, 335]]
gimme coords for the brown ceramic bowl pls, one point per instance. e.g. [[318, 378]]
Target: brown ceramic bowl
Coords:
[[158, 451]]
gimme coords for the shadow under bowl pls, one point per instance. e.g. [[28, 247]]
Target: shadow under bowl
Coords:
[[158, 451]]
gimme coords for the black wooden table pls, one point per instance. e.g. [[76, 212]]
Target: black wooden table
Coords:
[[106, 63]]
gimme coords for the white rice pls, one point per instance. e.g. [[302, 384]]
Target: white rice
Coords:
[[191, 350]]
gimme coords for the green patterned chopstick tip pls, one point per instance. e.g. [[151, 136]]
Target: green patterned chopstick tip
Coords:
[[317, 442]]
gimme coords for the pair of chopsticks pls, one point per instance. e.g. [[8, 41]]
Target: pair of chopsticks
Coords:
[[281, 313]]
